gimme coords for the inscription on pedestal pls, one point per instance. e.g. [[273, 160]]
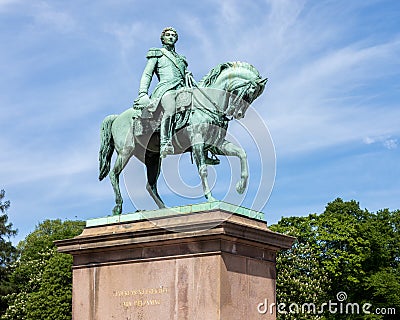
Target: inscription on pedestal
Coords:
[[144, 297]]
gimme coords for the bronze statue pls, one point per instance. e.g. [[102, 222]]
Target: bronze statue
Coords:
[[179, 116], [172, 73]]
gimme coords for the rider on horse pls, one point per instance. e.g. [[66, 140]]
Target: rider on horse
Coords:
[[172, 73]]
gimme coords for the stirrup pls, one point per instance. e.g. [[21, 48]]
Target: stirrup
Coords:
[[213, 161]]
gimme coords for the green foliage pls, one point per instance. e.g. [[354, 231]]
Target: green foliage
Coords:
[[3, 205], [343, 243], [52, 301], [45, 233], [343, 249], [386, 286], [7, 251], [383, 264], [301, 277], [43, 276]]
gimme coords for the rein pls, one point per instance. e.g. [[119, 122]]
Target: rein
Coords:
[[216, 114], [247, 84], [191, 83]]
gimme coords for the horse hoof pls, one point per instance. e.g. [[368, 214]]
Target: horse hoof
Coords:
[[161, 205], [240, 187], [117, 210], [211, 199]]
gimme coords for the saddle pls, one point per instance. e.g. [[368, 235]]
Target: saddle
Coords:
[[146, 121], [184, 98]]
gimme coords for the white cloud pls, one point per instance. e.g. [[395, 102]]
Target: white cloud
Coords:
[[20, 165], [390, 144], [386, 141], [4, 4], [129, 36], [368, 140], [47, 16]]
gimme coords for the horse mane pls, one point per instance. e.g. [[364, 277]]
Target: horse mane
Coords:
[[212, 76]]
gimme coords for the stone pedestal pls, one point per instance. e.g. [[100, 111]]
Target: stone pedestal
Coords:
[[206, 265]]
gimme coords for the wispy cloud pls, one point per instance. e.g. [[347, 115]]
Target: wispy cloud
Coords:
[[388, 142], [46, 16], [129, 37], [6, 3]]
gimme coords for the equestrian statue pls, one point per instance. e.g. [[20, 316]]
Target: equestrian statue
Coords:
[[179, 116]]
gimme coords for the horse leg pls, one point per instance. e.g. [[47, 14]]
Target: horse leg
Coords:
[[114, 178], [229, 149], [153, 163], [199, 157], [120, 163]]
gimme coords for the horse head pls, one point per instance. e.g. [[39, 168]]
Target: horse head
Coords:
[[243, 94], [241, 80]]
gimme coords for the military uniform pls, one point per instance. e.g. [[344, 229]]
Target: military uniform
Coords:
[[170, 69]]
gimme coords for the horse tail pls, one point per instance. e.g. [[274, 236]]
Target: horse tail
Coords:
[[106, 146]]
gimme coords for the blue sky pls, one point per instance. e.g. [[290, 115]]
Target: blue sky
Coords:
[[332, 103]]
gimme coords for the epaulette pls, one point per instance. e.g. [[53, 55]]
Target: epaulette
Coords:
[[154, 53]]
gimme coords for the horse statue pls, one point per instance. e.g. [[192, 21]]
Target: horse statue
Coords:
[[200, 127]]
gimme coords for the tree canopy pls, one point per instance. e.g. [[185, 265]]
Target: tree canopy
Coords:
[[42, 276], [343, 250]]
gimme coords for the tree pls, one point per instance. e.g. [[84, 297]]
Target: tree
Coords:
[[343, 250], [341, 237], [382, 268], [301, 276], [42, 276], [53, 298], [7, 251]]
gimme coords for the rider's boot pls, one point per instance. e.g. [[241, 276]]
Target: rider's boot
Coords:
[[166, 147]]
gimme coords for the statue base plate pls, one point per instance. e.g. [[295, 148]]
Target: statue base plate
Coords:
[[169, 212]]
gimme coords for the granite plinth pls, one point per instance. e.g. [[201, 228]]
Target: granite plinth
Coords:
[[220, 265]]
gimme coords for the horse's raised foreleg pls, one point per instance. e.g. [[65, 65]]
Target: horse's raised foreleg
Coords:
[[199, 157], [153, 163], [229, 149]]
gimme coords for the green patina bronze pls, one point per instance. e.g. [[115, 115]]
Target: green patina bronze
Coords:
[[179, 116], [181, 210], [172, 73]]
